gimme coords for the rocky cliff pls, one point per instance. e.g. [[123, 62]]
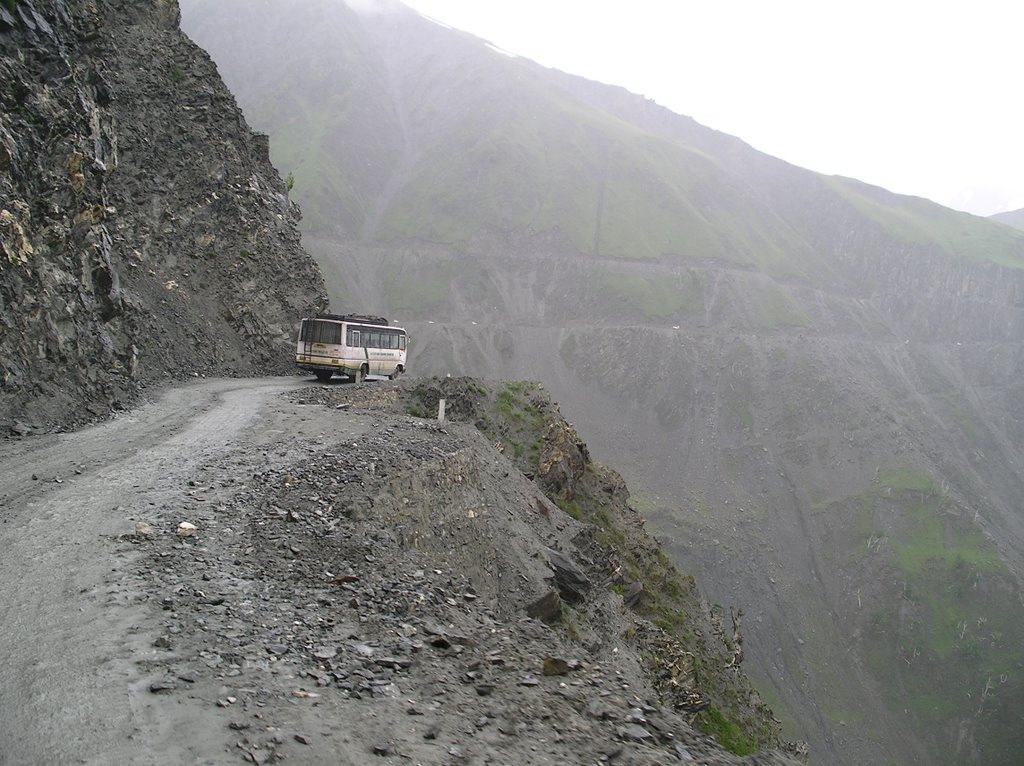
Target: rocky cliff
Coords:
[[144, 234]]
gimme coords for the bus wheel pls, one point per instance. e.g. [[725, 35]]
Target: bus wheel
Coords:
[[324, 375], [395, 374], [358, 375]]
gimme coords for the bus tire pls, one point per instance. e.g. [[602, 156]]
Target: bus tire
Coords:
[[324, 376], [358, 375], [396, 373]]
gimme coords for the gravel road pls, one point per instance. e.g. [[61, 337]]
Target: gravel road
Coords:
[[74, 625]]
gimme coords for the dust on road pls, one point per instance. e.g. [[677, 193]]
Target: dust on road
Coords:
[[75, 626]]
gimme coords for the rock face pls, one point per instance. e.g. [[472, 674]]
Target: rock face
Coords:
[[144, 233]]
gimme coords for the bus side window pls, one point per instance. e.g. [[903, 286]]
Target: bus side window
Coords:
[[353, 338], [401, 342]]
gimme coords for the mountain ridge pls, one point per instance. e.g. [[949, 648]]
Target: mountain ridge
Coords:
[[1014, 218], [438, 112]]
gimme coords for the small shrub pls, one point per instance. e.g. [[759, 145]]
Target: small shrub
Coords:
[[728, 733], [570, 508]]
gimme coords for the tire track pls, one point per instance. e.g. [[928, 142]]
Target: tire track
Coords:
[[75, 633]]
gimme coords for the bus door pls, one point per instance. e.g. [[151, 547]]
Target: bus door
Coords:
[[373, 352], [306, 337], [357, 353]]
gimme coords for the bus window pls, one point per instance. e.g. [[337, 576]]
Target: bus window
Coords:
[[353, 337], [401, 342], [314, 331]]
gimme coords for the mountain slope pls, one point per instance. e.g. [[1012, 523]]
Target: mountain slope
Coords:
[[1013, 218], [406, 129], [817, 380]]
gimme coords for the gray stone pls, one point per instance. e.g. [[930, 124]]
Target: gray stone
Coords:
[[634, 733], [570, 580], [548, 608]]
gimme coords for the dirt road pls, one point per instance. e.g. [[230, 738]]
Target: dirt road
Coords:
[[73, 623]]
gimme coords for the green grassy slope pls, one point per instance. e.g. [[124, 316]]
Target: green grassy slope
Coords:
[[921, 222], [955, 624], [397, 128]]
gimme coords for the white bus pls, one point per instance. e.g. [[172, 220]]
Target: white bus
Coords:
[[352, 345]]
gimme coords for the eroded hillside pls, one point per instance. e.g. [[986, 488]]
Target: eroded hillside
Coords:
[[144, 234], [819, 381]]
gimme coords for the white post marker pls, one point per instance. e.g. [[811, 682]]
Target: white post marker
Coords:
[[440, 411]]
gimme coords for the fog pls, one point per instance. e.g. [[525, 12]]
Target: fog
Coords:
[[915, 97]]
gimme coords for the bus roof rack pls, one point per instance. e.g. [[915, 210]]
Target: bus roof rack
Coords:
[[364, 318]]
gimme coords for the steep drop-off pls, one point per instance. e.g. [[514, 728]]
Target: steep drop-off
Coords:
[[144, 234], [820, 381]]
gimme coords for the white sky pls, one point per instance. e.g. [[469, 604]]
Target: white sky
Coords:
[[919, 96]]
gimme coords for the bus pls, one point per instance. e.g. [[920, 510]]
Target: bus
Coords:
[[350, 344]]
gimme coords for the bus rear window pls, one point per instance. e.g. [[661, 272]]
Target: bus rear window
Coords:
[[314, 331]]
